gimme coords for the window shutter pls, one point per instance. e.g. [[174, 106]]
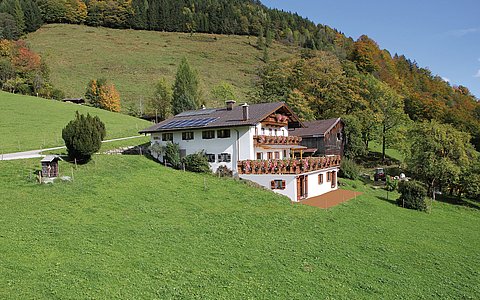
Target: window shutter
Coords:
[[284, 183], [272, 184]]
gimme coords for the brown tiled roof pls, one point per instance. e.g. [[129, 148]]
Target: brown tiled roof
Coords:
[[315, 128], [219, 117]]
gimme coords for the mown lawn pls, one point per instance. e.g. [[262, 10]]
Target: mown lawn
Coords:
[[134, 60], [128, 228], [28, 123]]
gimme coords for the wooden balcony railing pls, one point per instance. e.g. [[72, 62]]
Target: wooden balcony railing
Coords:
[[288, 166], [276, 140]]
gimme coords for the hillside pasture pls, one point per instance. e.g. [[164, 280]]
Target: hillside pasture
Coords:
[[128, 228], [134, 60], [28, 123]]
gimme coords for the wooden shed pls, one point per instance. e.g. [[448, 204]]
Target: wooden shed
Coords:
[[326, 136], [50, 166]]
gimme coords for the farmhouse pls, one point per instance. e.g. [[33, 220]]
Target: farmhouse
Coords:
[[323, 137], [254, 142]]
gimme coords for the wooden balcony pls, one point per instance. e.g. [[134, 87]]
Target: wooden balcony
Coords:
[[288, 166], [260, 140]]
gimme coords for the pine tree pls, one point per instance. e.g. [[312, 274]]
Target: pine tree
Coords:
[[14, 8], [186, 95], [260, 39], [83, 136], [33, 16]]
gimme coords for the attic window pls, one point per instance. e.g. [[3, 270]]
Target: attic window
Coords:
[[208, 135], [339, 136], [167, 137], [223, 133], [186, 136]]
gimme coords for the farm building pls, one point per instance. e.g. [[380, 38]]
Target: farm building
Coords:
[[322, 137], [255, 143]]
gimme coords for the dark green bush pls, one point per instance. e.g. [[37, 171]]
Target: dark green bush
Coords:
[[172, 155], [349, 169], [197, 162], [83, 136], [413, 195]]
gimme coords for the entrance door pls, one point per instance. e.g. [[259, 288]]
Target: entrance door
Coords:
[[302, 187], [334, 179]]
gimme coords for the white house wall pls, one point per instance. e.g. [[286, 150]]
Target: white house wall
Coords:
[[265, 180], [241, 150], [316, 189]]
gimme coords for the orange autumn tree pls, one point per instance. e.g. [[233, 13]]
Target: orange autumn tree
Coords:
[[102, 94]]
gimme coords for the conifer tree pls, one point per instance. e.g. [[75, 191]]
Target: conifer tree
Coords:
[[186, 95], [83, 136], [32, 14]]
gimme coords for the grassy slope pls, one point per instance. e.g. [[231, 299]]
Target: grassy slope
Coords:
[[134, 60], [28, 123], [128, 228]]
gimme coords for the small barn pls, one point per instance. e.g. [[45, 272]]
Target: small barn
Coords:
[[326, 136], [50, 166]]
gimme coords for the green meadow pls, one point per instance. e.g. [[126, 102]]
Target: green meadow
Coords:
[[128, 228], [28, 123], [134, 60]]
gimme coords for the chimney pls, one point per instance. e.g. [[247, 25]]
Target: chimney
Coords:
[[245, 112], [230, 104]]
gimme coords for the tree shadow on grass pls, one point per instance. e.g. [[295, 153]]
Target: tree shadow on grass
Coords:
[[389, 200], [458, 201]]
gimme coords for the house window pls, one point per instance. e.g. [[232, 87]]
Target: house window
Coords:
[[210, 157], [271, 131], [223, 133], [263, 131], [186, 136], [224, 157], [269, 155], [276, 132], [278, 184], [320, 178], [284, 153], [259, 155], [329, 176], [277, 155], [156, 138], [208, 135], [167, 137]]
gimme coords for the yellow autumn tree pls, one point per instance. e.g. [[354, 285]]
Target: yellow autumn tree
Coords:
[[102, 94], [109, 98]]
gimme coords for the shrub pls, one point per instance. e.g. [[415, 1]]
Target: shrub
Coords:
[[224, 171], [349, 169], [83, 136], [197, 162], [172, 155], [413, 195], [391, 184]]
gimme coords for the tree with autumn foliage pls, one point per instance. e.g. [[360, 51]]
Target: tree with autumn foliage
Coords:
[[102, 94]]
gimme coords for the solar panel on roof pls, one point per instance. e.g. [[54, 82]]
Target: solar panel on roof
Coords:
[[196, 112], [187, 123]]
